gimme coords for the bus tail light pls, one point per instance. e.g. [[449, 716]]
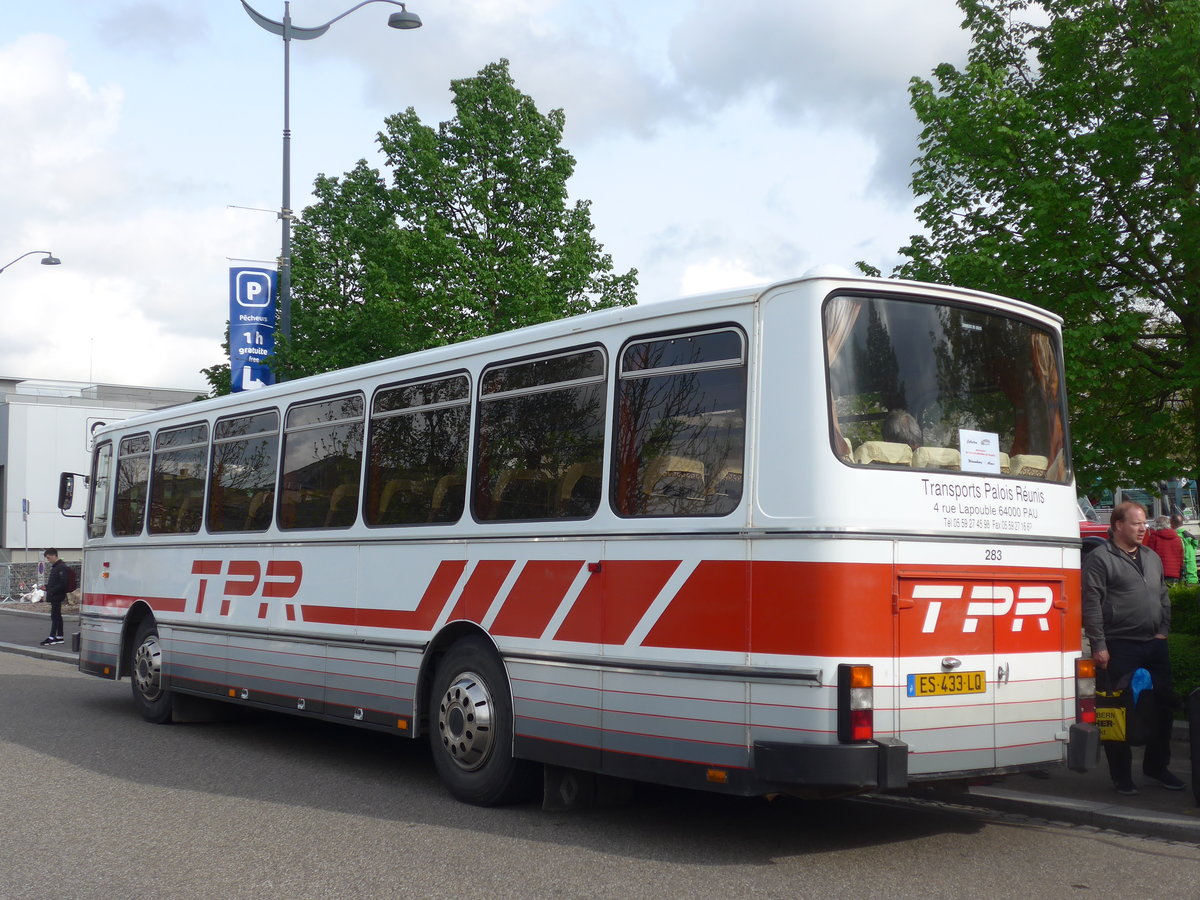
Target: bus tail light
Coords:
[[1085, 691], [856, 703]]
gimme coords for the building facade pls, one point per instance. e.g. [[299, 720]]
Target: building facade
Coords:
[[46, 428]]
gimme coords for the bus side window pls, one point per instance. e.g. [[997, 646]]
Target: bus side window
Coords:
[[177, 479], [97, 520], [322, 461], [133, 475], [538, 420], [245, 457], [681, 423], [417, 451]]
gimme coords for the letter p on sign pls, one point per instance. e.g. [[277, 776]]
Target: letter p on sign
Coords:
[[253, 289]]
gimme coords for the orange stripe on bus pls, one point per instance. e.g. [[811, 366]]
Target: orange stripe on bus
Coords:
[[481, 588], [433, 601], [614, 600], [535, 597]]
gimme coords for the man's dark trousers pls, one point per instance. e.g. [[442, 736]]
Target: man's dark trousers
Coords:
[[1127, 656]]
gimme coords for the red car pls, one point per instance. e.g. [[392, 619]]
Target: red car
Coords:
[[1092, 531]]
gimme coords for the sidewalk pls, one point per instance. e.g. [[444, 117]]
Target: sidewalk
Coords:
[[1055, 794], [23, 625], [1061, 795]]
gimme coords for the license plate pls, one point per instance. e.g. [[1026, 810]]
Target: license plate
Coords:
[[936, 684]]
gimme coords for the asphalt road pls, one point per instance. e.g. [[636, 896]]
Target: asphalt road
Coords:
[[27, 624], [98, 802]]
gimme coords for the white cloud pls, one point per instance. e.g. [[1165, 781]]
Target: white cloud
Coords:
[[719, 143], [847, 64], [717, 275], [56, 125], [123, 305]]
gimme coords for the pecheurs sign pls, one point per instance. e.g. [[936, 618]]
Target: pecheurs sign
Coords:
[[252, 295]]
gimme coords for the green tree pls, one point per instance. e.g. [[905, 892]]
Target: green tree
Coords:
[[475, 234], [1061, 165]]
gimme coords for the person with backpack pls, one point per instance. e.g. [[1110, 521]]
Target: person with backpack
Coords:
[[59, 583], [1164, 540]]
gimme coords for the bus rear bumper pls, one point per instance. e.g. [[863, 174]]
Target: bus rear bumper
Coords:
[[878, 765], [1083, 747]]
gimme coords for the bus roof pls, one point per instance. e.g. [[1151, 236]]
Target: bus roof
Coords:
[[562, 328]]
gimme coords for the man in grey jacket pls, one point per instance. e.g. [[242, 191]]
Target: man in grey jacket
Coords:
[[1126, 615]]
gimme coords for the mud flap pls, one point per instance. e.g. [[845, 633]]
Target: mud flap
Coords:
[[569, 789]]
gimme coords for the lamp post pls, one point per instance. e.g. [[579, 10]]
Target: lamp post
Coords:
[[403, 20], [50, 260]]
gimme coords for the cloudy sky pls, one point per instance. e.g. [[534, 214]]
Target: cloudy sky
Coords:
[[720, 144]]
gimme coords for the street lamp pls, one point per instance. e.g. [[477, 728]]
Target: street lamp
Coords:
[[50, 260], [403, 20]]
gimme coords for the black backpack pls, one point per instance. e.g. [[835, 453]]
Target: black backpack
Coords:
[[72, 580]]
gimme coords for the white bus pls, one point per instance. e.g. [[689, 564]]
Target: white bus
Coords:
[[818, 538]]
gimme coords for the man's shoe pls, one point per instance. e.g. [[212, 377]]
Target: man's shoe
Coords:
[[1167, 779], [56, 640], [1128, 788], [47, 642]]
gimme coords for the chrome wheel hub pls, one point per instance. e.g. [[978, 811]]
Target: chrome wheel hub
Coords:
[[465, 721], [147, 668]]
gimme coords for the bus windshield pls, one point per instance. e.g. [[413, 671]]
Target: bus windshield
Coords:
[[937, 386]]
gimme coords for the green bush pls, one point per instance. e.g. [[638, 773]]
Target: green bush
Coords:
[[1185, 608], [1184, 639]]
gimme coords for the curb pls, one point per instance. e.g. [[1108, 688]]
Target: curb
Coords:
[[1094, 813], [41, 653]]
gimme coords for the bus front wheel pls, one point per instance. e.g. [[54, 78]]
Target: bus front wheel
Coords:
[[472, 729], [153, 701]]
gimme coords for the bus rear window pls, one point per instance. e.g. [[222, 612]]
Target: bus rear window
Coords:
[[921, 385]]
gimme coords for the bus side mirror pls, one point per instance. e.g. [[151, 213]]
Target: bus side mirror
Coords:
[[66, 490]]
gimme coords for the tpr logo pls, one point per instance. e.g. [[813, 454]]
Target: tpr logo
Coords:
[[252, 288]]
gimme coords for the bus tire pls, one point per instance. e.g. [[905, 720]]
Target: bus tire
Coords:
[[152, 700], [471, 732]]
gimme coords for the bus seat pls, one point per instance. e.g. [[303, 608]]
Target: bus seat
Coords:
[[936, 458], [343, 505], [448, 497], [673, 484], [724, 491], [404, 500], [187, 519], [1028, 464], [1057, 469], [579, 488], [523, 494], [258, 514], [884, 453], [227, 508], [849, 455], [1004, 463]]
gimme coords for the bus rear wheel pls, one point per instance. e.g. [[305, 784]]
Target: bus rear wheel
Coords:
[[152, 700], [471, 730]]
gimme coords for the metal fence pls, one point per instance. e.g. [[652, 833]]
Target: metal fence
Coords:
[[19, 582]]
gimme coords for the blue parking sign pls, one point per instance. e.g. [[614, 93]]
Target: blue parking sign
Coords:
[[252, 295]]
